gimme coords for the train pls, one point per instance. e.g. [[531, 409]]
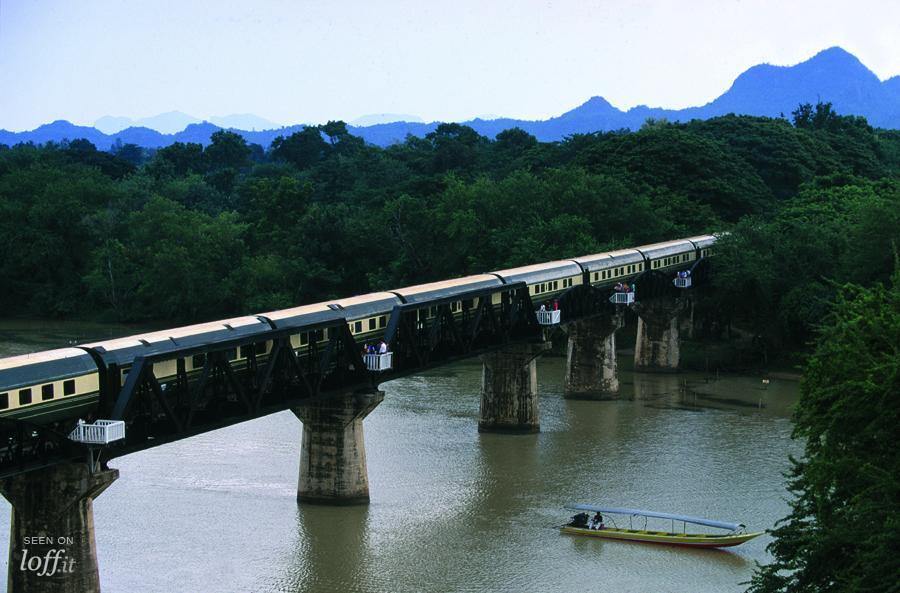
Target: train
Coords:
[[65, 383]]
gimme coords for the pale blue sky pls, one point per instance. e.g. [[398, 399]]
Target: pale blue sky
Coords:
[[310, 61]]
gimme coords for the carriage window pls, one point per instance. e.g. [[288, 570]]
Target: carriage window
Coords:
[[357, 327], [24, 396], [231, 354], [372, 323], [47, 392], [4, 401], [321, 334], [69, 387], [198, 360], [304, 339], [382, 321]]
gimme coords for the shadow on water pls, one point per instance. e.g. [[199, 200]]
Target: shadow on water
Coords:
[[327, 537], [675, 554]]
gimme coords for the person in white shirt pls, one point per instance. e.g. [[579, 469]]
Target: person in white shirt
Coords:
[[383, 347]]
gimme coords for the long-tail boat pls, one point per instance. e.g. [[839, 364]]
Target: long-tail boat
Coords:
[[582, 524]]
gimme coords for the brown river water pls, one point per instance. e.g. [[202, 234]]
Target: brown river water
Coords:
[[451, 509]]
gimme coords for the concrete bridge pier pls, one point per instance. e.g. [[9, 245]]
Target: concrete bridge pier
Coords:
[[509, 399], [333, 451], [657, 347], [52, 548], [591, 369]]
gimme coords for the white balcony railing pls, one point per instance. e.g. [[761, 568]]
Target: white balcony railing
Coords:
[[548, 317], [682, 282], [622, 298], [380, 362], [101, 432]]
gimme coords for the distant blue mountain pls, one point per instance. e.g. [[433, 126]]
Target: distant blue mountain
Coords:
[[832, 75]]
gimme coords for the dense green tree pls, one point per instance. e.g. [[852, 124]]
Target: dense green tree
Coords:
[[43, 210], [456, 147], [843, 532], [179, 159], [702, 169], [172, 264], [779, 274], [783, 156], [227, 150], [849, 136], [322, 214], [83, 152], [130, 153], [302, 149]]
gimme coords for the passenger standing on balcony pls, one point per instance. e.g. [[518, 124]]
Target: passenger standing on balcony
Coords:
[[543, 307], [555, 305], [383, 347]]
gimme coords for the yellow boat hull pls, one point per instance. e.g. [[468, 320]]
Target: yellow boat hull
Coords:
[[694, 540]]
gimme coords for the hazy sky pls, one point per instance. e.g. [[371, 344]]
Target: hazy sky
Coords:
[[310, 61]]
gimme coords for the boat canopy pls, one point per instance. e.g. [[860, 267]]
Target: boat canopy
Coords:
[[685, 518]]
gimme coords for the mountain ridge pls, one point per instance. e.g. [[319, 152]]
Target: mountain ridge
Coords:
[[833, 75]]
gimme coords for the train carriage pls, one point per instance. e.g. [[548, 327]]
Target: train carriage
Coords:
[[703, 244], [545, 281], [366, 315], [612, 266], [669, 255], [45, 386], [444, 290], [119, 354]]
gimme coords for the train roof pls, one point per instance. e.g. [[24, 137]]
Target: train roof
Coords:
[[701, 241], [123, 351], [609, 259], [44, 367], [666, 248], [553, 270], [446, 288], [368, 305], [358, 307], [304, 315]]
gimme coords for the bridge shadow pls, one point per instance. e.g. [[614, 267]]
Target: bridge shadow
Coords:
[[331, 551]]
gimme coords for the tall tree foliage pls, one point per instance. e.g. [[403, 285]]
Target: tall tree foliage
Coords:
[[843, 532], [320, 214]]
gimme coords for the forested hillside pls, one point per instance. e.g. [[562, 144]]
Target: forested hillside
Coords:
[[189, 233]]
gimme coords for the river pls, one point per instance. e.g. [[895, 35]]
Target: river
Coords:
[[452, 509]]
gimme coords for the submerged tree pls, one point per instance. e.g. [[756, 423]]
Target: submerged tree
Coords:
[[843, 531]]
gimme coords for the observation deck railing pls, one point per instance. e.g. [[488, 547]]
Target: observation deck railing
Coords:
[[101, 432], [380, 362], [622, 298], [548, 317]]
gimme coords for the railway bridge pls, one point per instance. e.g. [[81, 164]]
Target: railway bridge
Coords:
[[65, 413]]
